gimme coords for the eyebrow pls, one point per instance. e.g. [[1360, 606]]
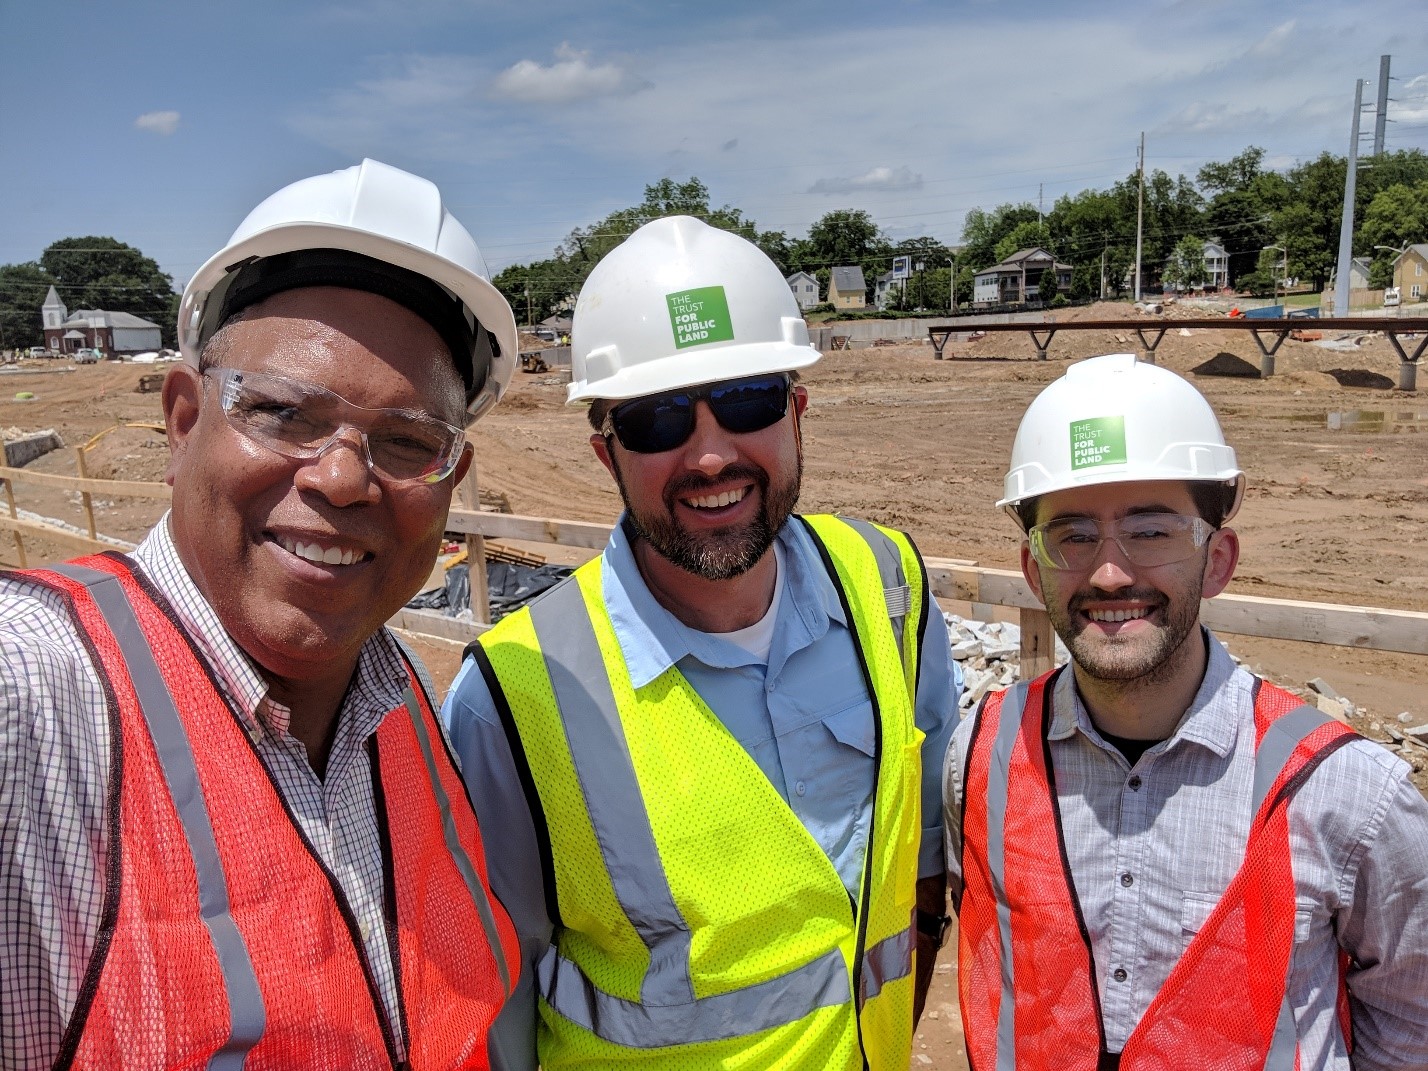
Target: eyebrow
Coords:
[[1134, 511]]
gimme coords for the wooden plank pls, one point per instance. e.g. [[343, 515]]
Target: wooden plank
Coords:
[[112, 488], [86, 499], [41, 530], [1319, 622], [10, 500], [435, 623], [1038, 644], [529, 529]]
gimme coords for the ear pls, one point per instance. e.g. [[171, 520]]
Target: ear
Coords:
[[182, 400], [800, 399], [1031, 570], [1220, 563], [601, 446], [463, 466]]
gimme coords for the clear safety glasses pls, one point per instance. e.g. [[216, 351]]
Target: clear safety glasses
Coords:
[[1146, 540], [662, 422], [301, 420]]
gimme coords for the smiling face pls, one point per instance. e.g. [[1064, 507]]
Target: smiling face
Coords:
[[712, 506], [303, 560], [1123, 622]]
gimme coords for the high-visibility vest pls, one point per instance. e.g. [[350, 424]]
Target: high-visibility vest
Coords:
[[698, 923], [1025, 971], [224, 941]]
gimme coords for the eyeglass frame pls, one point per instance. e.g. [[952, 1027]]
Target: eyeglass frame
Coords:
[[703, 392], [1200, 531], [223, 377]]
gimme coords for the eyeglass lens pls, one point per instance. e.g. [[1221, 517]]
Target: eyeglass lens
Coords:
[[1147, 539], [301, 420], [664, 421]]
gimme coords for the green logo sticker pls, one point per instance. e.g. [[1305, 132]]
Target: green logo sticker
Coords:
[[1099, 441], [699, 316]]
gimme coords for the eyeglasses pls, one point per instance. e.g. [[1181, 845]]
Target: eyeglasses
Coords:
[[1146, 539], [302, 420], [662, 422]]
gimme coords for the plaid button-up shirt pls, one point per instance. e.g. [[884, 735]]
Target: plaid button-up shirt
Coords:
[[1151, 851], [54, 778]]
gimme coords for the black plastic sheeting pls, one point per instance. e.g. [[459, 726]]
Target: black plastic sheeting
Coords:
[[511, 587]]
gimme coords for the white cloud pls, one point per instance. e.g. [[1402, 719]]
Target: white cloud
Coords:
[[878, 178], [1411, 103], [162, 123], [571, 77]]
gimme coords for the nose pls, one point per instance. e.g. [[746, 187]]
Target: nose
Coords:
[[341, 472], [710, 448], [1112, 571]]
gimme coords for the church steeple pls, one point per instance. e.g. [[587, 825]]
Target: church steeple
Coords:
[[54, 310]]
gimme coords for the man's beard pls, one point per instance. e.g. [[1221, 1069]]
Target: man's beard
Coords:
[[727, 552], [1144, 659]]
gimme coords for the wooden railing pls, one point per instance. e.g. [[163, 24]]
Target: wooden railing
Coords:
[[1373, 628]]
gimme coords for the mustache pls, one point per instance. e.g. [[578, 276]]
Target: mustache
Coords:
[[1153, 598], [696, 483]]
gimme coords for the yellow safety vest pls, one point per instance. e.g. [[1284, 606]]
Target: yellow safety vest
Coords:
[[700, 924]]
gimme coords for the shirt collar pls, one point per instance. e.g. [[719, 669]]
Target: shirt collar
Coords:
[[378, 683], [652, 639], [1211, 720]]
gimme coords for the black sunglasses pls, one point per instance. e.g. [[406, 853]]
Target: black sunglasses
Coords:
[[661, 422]]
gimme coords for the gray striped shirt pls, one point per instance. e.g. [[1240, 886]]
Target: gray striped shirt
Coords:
[[1151, 850], [54, 767]]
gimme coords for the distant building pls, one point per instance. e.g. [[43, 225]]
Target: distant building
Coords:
[[114, 334], [883, 287], [1017, 279], [805, 289], [1410, 273], [1217, 266], [846, 288], [1359, 273]]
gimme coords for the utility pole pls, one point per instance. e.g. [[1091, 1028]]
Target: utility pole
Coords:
[[1346, 225], [952, 290], [1380, 123], [1040, 215], [1103, 274], [1139, 213]]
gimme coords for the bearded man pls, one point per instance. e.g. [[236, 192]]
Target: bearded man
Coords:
[[714, 751]]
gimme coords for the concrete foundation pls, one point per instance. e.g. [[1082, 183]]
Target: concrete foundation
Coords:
[[20, 452]]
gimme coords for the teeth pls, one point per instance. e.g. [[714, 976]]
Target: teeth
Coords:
[[725, 498], [314, 553], [1114, 616]]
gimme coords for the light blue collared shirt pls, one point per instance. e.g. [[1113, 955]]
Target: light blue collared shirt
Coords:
[[806, 719]]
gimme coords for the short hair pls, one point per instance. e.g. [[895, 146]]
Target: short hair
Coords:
[[1213, 502]]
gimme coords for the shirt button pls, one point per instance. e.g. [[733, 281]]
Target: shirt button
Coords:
[[800, 788], [1127, 880], [1119, 974], [1134, 783]]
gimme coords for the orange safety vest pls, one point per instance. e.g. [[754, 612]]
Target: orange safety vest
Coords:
[[224, 941], [1026, 976]]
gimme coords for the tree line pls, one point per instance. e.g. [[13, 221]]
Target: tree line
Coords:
[[1271, 223]]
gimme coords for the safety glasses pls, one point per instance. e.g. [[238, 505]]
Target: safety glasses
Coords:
[[660, 422], [1146, 540], [301, 420]]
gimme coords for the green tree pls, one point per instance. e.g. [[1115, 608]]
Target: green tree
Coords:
[[1186, 267], [22, 291], [982, 231], [1396, 217], [104, 273], [1025, 235]]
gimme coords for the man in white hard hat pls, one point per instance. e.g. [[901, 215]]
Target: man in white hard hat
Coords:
[[706, 750], [234, 835], [1160, 860]]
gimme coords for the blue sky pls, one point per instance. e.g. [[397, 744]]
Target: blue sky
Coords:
[[161, 124]]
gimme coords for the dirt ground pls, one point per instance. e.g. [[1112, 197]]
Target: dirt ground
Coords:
[[1336, 511]]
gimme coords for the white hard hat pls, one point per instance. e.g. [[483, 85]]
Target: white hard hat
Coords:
[[392, 220], [678, 304], [1114, 419]]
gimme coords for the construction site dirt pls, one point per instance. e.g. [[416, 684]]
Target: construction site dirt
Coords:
[[1336, 508]]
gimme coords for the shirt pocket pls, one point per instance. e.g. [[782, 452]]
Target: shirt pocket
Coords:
[[1195, 910], [853, 727]]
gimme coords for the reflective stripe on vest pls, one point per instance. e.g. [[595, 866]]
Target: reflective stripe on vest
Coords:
[[1292, 739], [194, 810], [607, 777], [245, 1001]]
